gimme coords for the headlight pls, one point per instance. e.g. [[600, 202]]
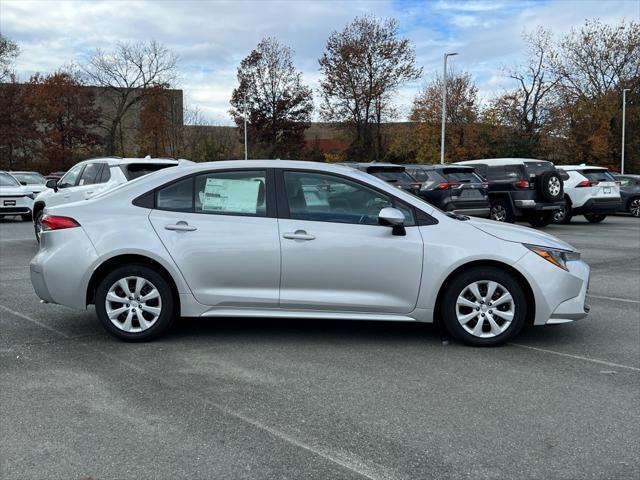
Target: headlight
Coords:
[[558, 257]]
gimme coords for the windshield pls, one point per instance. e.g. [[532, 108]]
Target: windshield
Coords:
[[464, 175], [598, 175], [136, 170], [7, 180], [30, 178], [392, 176]]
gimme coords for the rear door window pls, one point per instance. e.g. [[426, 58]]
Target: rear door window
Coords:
[[177, 197], [232, 193]]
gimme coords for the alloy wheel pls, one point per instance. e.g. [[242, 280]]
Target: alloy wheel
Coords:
[[558, 215], [554, 186], [485, 309], [634, 208], [133, 304], [498, 213]]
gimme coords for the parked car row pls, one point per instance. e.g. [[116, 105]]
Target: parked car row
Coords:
[[516, 189]]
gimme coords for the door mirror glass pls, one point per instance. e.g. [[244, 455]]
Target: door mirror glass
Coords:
[[390, 216], [52, 183]]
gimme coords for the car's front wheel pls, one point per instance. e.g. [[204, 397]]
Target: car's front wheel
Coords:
[[563, 215], [135, 303], [37, 224], [594, 217], [484, 307]]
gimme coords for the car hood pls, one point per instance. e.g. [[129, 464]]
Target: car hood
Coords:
[[518, 234], [13, 191]]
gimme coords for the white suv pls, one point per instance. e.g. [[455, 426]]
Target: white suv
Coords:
[[589, 191], [90, 177]]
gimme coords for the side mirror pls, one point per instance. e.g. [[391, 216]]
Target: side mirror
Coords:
[[52, 183], [392, 217]]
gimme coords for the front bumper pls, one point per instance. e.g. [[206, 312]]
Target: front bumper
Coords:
[[560, 295]]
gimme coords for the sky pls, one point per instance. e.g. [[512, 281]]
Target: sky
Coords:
[[210, 38]]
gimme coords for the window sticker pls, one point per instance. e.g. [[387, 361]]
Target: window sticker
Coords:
[[227, 195]]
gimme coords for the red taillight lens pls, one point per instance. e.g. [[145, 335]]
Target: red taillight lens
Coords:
[[53, 222], [587, 183], [522, 184], [448, 185]]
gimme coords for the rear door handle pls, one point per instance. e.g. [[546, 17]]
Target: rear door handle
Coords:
[[180, 227], [298, 235]]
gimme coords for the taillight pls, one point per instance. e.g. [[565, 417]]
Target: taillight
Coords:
[[587, 183], [522, 184], [54, 222], [448, 185]]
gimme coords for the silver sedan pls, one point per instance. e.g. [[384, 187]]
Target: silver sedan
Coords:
[[301, 240]]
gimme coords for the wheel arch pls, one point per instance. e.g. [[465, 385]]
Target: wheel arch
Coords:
[[37, 208], [520, 278], [127, 259]]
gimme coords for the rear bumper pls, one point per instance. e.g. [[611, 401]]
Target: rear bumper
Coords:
[[529, 205], [14, 210], [600, 205]]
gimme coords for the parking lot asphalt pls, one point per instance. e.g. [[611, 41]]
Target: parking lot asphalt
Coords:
[[235, 399]]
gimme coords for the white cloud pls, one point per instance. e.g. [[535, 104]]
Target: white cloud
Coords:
[[212, 37]]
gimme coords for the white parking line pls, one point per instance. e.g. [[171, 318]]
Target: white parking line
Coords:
[[342, 458], [577, 357], [33, 320], [615, 299]]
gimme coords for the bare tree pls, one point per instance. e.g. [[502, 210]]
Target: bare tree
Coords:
[[278, 104], [363, 65], [598, 58], [127, 73]]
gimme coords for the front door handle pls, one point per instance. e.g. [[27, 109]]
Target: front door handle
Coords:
[[180, 227], [298, 235]]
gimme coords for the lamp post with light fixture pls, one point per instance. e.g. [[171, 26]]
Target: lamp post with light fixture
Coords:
[[444, 103], [624, 111]]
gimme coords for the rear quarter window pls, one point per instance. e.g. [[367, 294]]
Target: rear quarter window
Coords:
[[135, 170], [463, 175]]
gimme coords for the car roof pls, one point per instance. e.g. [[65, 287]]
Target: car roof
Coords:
[[371, 164], [115, 161], [439, 166], [500, 161], [580, 167]]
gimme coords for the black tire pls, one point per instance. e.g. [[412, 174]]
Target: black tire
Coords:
[[167, 302], [455, 288], [594, 217], [26, 217], [540, 219], [550, 186], [37, 224], [501, 211]]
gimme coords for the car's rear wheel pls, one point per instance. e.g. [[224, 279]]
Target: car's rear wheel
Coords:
[[37, 224], [501, 212], [594, 217], [540, 219], [484, 307], [135, 303], [634, 207]]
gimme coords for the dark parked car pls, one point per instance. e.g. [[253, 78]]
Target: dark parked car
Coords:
[[389, 172], [522, 189], [452, 188], [630, 193]]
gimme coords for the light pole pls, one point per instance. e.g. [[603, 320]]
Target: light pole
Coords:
[[245, 126], [624, 112], [444, 103]]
